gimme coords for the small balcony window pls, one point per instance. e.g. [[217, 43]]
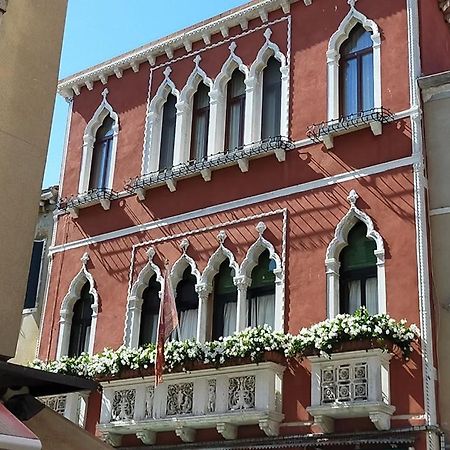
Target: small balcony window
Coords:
[[150, 312], [168, 133], [271, 104], [187, 305], [200, 123]]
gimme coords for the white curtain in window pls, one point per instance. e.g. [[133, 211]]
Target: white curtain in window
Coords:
[[87, 339], [188, 324], [354, 296], [229, 318], [372, 295], [154, 328], [262, 310]]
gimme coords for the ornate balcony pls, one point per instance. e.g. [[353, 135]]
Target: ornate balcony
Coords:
[[351, 384], [325, 132], [223, 398], [71, 406], [277, 145], [93, 197]]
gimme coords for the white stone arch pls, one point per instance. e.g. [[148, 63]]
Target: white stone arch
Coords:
[[90, 132], [150, 161], [66, 311], [217, 115], [185, 108], [135, 300], [333, 55], [254, 94], [205, 285], [332, 264], [244, 279]]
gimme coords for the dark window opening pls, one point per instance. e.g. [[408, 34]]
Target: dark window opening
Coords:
[[150, 312], [234, 129], [271, 104], [187, 305], [34, 275], [200, 123], [168, 133]]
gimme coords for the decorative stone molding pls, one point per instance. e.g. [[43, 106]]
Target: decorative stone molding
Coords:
[[150, 160], [135, 300], [217, 115], [70, 85], [333, 55], [66, 311], [182, 263], [349, 385], [335, 247], [90, 132], [254, 91], [223, 398]]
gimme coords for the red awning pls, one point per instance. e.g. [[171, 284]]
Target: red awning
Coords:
[[14, 435]]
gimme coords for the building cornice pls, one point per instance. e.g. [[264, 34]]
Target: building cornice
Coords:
[[240, 16]]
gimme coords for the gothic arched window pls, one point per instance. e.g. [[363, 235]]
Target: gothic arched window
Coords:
[[169, 119], [200, 124], [271, 100], [150, 312], [187, 305], [225, 302], [357, 72], [234, 127], [358, 272], [80, 330], [261, 293]]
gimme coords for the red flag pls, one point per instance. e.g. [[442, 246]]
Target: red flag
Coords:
[[168, 321]]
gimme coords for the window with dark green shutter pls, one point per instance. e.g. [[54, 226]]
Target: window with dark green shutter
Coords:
[[358, 272], [34, 275]]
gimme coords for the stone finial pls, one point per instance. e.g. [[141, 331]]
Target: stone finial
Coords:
[[167, 71], [260, 228], [222, 236], [184, 245], [352, 3], [352, 197], [85, 258], [232, 47], [268, 34], [197, 60], [105, 92], [151, 253]]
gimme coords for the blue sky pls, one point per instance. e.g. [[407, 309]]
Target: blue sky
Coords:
[[97, 30]]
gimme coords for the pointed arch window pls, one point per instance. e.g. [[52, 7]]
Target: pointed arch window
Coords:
[[200, 123], [102, 155], [168, 133], [225, 302], [271, 101], [358, 272], [234, 126], [261, 293], [150, 312], [187, 305], [357, 72], [80, 331]]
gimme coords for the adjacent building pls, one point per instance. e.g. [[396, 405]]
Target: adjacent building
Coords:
[[274, 156]]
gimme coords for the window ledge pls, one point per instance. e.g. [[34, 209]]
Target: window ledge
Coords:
[[242, 155], [325, 132], [27, 311], [73, 204]]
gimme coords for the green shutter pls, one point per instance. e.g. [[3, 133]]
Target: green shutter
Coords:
[[359, 253]]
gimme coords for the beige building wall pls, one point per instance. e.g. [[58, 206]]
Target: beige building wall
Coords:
[[30, 46], [436, 102]]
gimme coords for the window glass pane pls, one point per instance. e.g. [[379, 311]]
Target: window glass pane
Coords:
[[200, 122], [187, 305], [349, 91], [359, 253], [367, 81], [101, 155], [168, 133], [225, 302], [34, 274], [271, 106], [359, 39], [234, 132], [150, 312]]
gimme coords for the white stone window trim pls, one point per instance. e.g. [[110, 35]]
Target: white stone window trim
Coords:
[[183, 134], [150, 162], [332, 264], [218, 103], [333, 55], [66, 311], [254, 91], [205, 287], [90, 132], [245, 278], [135, 300]]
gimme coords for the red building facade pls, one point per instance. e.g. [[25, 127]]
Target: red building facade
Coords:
[[273, 155]]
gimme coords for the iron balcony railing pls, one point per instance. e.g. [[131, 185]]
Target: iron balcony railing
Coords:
[[194, 167], [317, 131], [92, 196]]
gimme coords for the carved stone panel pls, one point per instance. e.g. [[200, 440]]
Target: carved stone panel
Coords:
[[241, 393], [180, 398], [123, 405]]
